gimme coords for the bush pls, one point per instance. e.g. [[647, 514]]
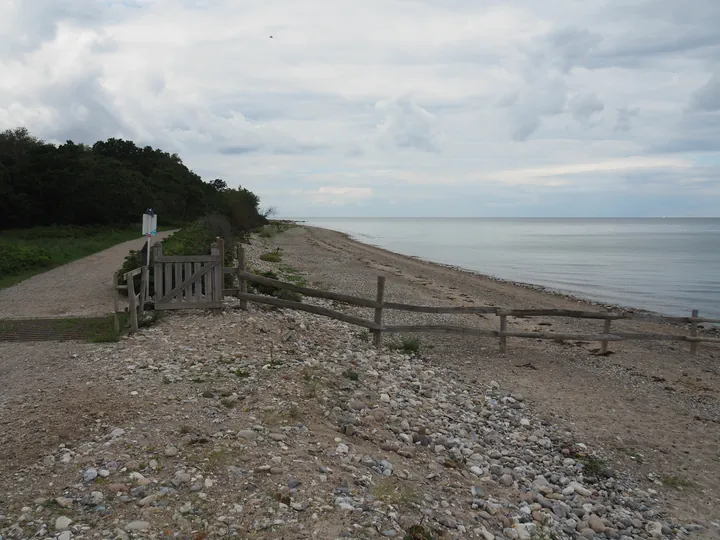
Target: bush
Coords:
[[409, 345], [282, 294], [18, 258], [272, 256]]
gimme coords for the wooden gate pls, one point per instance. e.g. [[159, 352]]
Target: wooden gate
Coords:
[[188, 282]]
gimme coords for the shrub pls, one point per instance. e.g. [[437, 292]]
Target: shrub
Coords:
[[272, 256], [409, 345], [18, 258], [283, 294]]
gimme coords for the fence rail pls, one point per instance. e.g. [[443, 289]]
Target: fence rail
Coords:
[[174, 278], [379, 305]]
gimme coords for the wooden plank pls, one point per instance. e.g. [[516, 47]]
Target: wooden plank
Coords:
[[606, 330], [440, 309], [271, 301], [158, 273], [441, 329], [242, 284], [132, 306], [645, 317], [692, 339], [188, 305], [143, 291], [133, 273], [377, 334], [116, 303], [177, 270], [204, 271], [198, 283], [207, 286], [306, 291], [218, 249], [168, 280], [693, 331], [188, 291], [186, 258], [503, 338]]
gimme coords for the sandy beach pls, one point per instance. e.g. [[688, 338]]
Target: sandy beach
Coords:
[[652, 405]]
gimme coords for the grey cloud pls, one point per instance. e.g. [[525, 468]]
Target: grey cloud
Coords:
[[238, 150], [707, 98], [694, 132], [583, 106], [408, 125], [539, 98], [624, 116], [565, 48]]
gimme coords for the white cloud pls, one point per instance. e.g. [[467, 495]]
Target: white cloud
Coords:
[[444, 107]]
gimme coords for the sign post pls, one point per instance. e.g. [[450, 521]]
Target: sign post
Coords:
[[149, 229]]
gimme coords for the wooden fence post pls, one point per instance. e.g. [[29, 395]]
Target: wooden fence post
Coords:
[[242, 284], [144, 288], [377, 337], [132, 305], [116, 319], [606, 330], [693, 331], [217, 282], [157, 273], [503, 328]]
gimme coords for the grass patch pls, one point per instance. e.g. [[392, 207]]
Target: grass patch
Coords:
[[391, 492], [408, 345], [272, 256], [28, 252], [676, 482], [592, 465], [242, 374], [418, 532], [350, 374]]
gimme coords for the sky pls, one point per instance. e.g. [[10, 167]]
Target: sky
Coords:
[[602, 108]]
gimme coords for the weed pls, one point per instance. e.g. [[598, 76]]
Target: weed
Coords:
[[225, 393], [227, 402], [542, 533], [350, 374], [185, 429], [364, 335], [390, 492], [272, 256], [676, 482], [242, 374], [294, 412], [283, 498], [268, 231], [409, 345], [592, 465], [418, 532]]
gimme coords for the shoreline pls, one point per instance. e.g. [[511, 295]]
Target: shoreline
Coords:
[[540, 289]]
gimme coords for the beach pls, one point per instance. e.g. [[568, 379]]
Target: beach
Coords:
[[651, 404]]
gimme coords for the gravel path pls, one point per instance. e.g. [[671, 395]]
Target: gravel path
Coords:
[[81, 288]]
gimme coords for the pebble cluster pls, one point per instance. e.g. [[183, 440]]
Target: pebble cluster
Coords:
[[280, 424]]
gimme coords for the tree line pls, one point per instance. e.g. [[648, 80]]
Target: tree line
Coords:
[[110, 183]]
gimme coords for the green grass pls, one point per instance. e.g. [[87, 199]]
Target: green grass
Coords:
[[28, 252], [272, 256], [676, 482], [408, 345]]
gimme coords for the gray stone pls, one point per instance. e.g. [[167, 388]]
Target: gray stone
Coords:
[[90, 475], [137, 526], [62, 523]]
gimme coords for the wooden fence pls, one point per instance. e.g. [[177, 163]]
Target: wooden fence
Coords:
[[175, 277], [502, 334]]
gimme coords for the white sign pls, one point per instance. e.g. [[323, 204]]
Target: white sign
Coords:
[[149, 226]]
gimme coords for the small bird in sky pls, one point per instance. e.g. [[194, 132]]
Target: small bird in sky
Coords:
[[271, 37]]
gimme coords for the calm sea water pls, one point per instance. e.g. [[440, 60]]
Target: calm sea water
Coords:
[[669, 266]]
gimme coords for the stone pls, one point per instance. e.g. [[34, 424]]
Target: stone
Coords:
[[64, 502], [90, 475], [118, 488], [137, 526], [171, 451], [62, 523], [247, 434], [277, 437], [596, 524], [117, 432], [65, 535], [506, 480]]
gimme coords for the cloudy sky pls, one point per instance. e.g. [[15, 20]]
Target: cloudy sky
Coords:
[[389, 107]]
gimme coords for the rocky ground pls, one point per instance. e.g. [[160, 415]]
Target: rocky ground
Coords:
[[278, 424]]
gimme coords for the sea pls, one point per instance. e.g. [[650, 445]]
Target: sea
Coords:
[[665, 265]]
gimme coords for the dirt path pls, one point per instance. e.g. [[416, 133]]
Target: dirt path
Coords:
[[651, 405], [82, 288]]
